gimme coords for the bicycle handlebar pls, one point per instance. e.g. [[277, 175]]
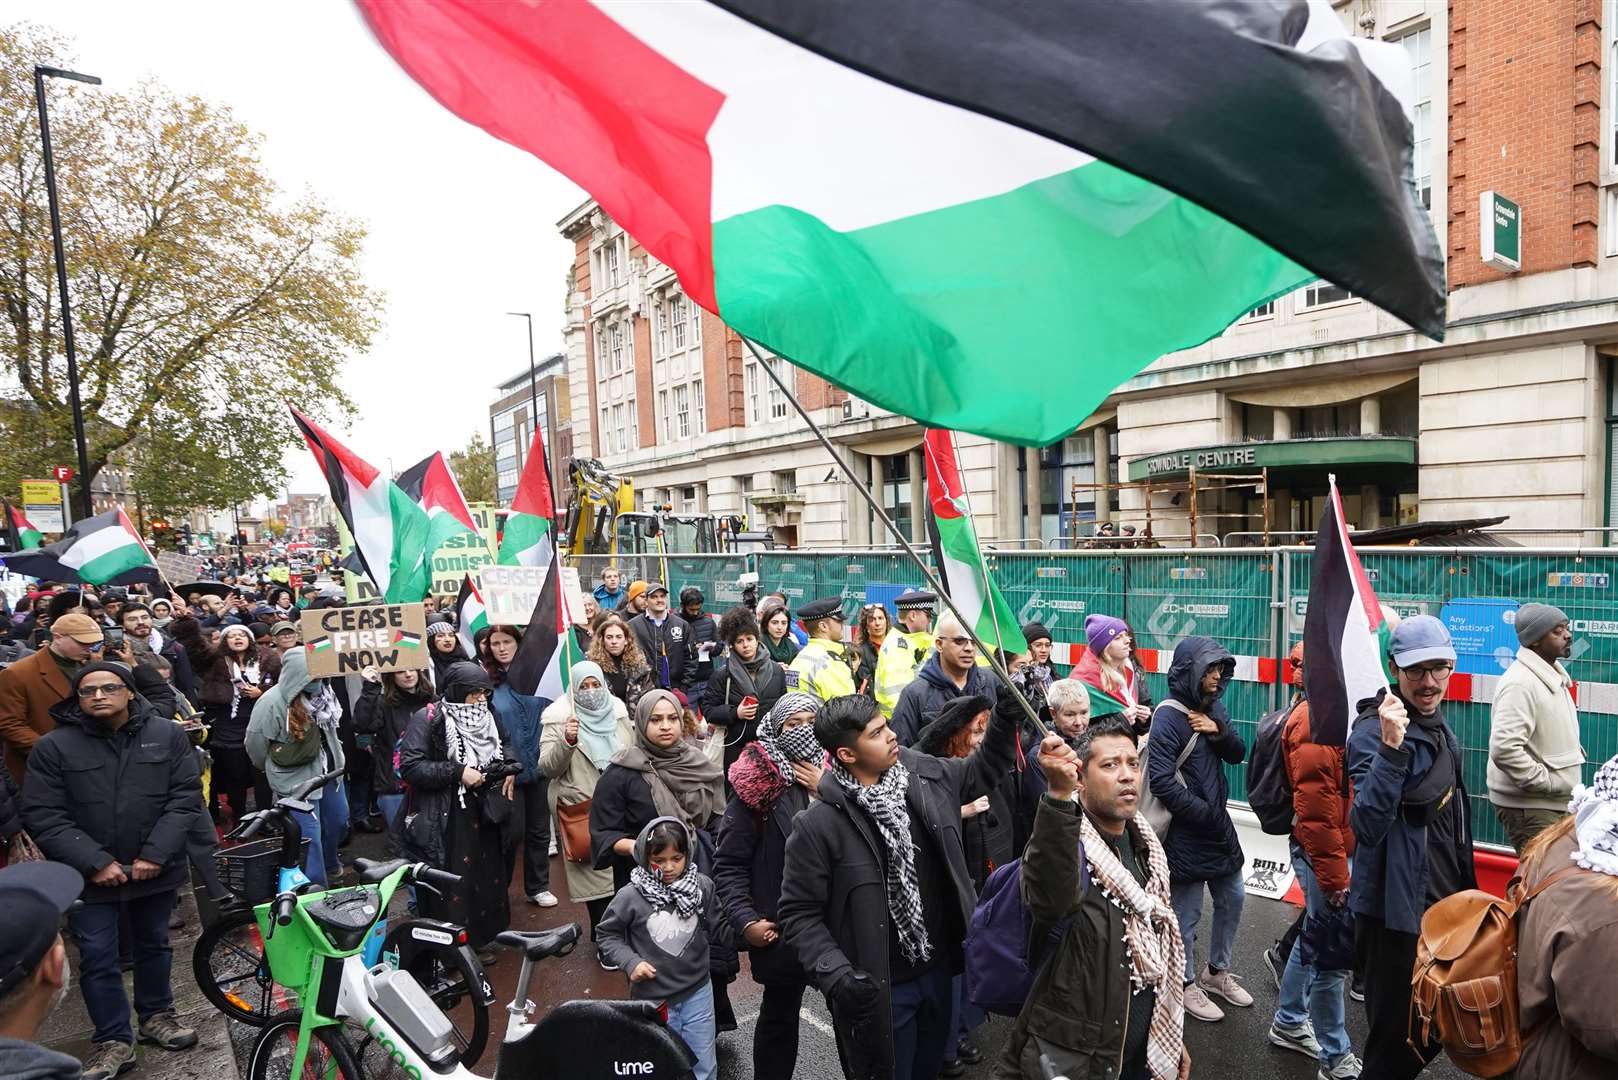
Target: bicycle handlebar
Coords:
[[316, 784], [285, 904], [442, 879]]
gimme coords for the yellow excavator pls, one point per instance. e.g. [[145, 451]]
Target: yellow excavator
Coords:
[[602, 519]]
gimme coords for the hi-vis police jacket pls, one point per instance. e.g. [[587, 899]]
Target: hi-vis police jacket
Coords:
[[824, 669], [901, 657]]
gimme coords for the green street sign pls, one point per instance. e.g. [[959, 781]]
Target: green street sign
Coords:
[[1500, 231]]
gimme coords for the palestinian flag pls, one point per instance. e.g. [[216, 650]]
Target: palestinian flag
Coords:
[[1342, 662], [869, 188], [432, 485], [470, 615], [390, 529], [1101, 702], [100, 550], [955, 550], [20, 532], [544, 662], [527, 540]]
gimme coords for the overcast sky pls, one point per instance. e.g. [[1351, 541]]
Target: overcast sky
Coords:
[[462, 226]]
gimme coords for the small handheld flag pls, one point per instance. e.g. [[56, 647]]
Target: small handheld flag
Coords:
[[1341, 666]]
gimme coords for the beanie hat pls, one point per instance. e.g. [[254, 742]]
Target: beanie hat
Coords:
[[1534, 621], [1100, 630], [635, 589], [1035, 631], [439, 626]]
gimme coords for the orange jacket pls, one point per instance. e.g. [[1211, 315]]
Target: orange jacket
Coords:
[[1321, 796]]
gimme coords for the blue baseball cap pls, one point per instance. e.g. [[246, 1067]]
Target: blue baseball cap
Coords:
[[1419, 639]]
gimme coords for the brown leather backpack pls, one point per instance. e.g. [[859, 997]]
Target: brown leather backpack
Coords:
[[1465, 980]]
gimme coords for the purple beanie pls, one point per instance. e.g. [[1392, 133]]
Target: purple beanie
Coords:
[[1101, 629]]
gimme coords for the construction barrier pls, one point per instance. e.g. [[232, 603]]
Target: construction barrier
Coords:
[[1251, 600]]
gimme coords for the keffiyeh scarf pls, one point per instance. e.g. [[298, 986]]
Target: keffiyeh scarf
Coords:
[[884, 801], [1595, 821], [684, 895], [470, 736], [794, 744], [1152, 936]]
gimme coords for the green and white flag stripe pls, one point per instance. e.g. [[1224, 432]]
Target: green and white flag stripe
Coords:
[[104, 553], [960, 563], [526, 541]]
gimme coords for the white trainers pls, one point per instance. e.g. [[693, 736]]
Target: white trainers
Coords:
[[1347, 1067], [544, 898], [1197, 1005], [1225, 985], [1300, 1039]]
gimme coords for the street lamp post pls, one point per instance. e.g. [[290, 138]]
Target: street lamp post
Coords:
[[41, 73], [533, 400]]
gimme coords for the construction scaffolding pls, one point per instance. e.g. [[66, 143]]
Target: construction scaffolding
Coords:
[[1191, 488]]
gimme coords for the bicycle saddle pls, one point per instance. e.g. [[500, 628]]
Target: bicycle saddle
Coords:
[[538, 944], [372, 871]]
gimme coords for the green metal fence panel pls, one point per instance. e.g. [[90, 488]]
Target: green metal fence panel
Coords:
[[718, 576], [1060, 588]]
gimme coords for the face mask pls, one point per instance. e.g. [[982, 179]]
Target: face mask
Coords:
[[593, 700], [799, 743]]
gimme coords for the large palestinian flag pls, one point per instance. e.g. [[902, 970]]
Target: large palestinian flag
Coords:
[[527, 539], [1341, 665], [433, 487], [100, 550], [390, 529], [956, 554], [978, 213]]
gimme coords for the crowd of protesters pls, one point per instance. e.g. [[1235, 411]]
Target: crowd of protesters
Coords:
[[832, 797]]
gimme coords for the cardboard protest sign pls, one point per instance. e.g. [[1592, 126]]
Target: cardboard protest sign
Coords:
[[510, 592], [346, 640], [177, 568]]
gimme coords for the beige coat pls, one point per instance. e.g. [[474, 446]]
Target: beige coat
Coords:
[[1565, 982], [1534, 751], [573, 779]]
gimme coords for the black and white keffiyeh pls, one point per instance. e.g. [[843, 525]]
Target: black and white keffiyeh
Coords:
[[470, 735], [684, 894], [783, 747], [884, 801], [1595, 821]]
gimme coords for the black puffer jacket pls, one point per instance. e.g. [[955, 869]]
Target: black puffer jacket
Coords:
[[1202, 843], [386, 724], [923, 698], [94, 796], [434, 779]]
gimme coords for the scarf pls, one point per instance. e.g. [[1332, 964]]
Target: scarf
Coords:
[[598, 727], [781, 653], [685, 784], [470, 736], [797, 744], [239, 673], [1595, 821], [884, 801], [1152, 936], [684, 895]]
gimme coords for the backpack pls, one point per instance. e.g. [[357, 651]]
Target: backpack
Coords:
[[1465, 981], [999, 970], [1269, 788], [1157, 815]]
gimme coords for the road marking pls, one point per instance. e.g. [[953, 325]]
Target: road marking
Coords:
[[806, 1016]]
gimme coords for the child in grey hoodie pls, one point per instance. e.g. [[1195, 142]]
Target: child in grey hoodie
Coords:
[[658, 930]]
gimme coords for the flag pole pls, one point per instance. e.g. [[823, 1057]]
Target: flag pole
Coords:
[[983, 566], [995, 663]]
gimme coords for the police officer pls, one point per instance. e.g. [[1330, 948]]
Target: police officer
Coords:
[[825, 666], [904, 651]]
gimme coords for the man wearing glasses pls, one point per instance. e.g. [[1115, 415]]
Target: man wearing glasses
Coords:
[[113, 792], [32, 686], [1413, 835]]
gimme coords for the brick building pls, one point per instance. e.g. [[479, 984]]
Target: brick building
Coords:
[[1515, 414], [542, 393]]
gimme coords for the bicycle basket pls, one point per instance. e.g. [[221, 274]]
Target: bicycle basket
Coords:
[[345, 916], [252, 871]]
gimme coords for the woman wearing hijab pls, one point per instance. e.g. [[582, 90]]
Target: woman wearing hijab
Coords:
[[455, 817], [581, 734], [1567, 937], [230, 679], [660, 774], [774, 778], [746, 672]]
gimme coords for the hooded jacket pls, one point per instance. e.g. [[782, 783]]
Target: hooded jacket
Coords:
[[930, 691], [1202, 842], [94, 796], [679, 952], [23, 1060], [269, 724]]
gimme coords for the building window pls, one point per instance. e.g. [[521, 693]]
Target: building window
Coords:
[[1418, 46], [895, 496], [677, 318], [786, 483], [664, 423], [1061, 465], [682, 412], [614, 270], [634, 425], [662, 317], [1263, 311], [764, 399], [617, 335], [1612, 447], [702, 406], [688, 500], [1324, 294]]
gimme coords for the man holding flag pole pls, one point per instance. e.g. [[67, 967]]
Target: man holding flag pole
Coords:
[[1409, 813]]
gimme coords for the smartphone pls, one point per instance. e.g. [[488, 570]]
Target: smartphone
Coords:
[[750, 700], [115, 638]]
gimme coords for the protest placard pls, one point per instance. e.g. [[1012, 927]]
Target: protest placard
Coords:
[[177, 568], [510, 592], [346, 640]]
